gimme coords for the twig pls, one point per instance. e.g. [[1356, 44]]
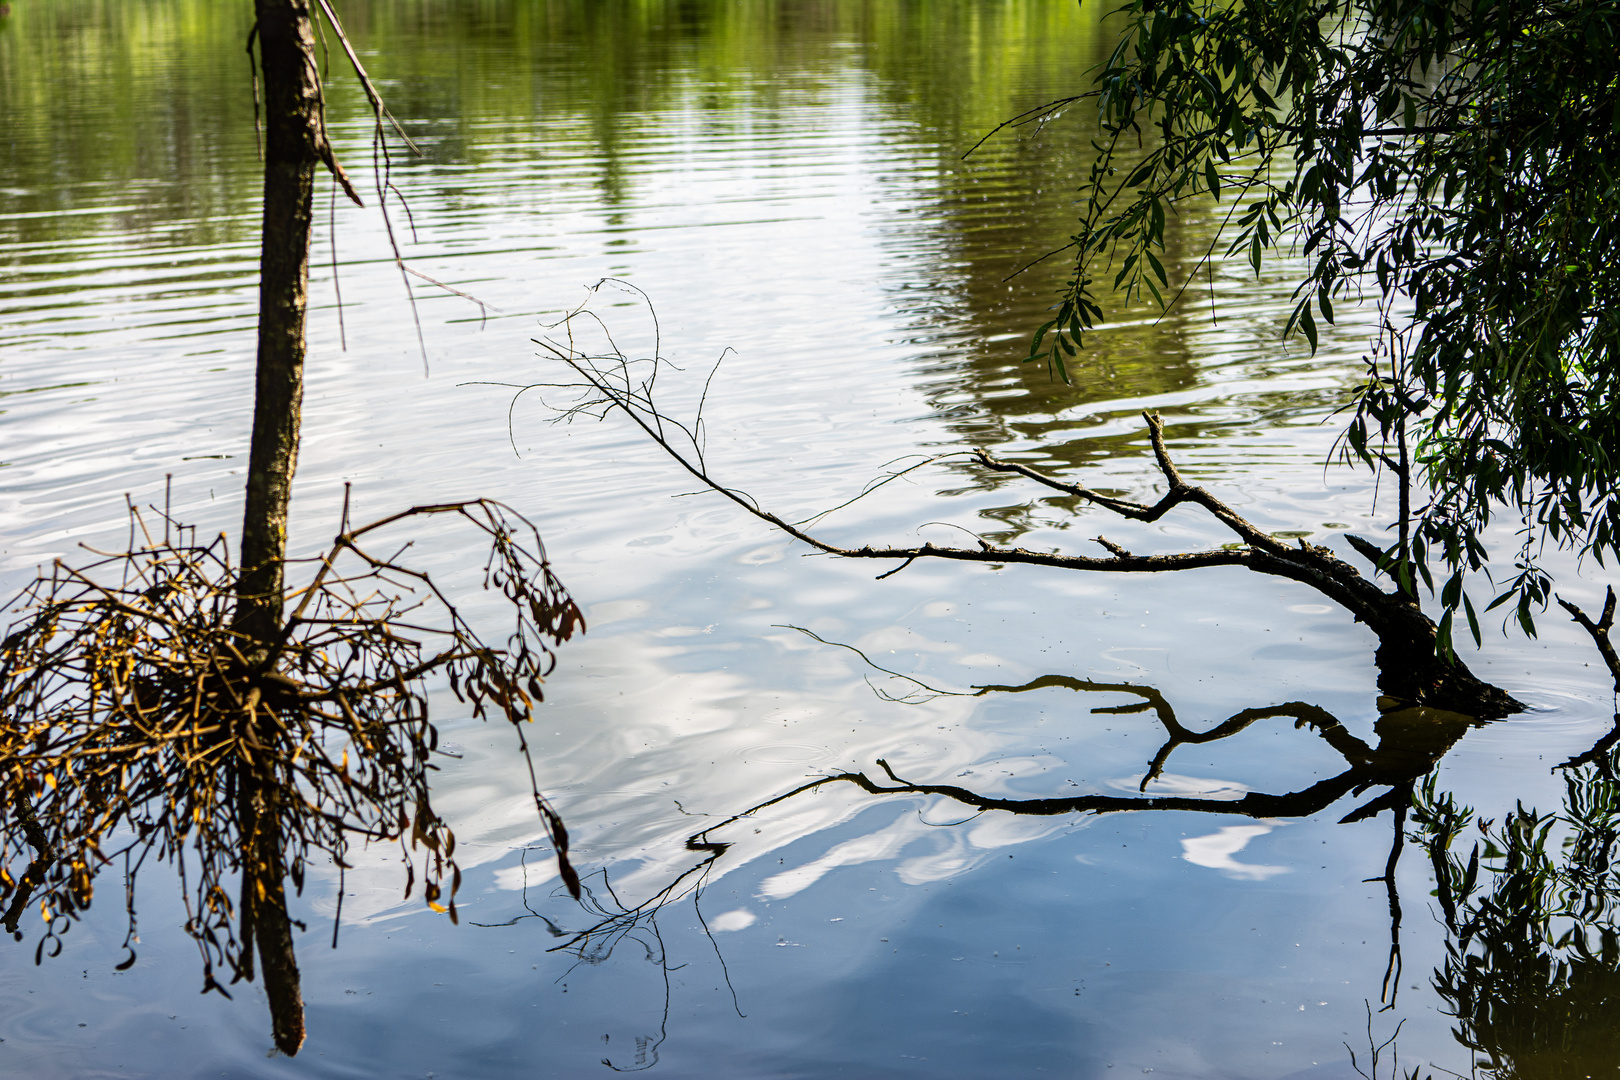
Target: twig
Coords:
[[133, 723]]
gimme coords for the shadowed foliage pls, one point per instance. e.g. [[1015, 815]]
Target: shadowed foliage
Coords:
[[1448, 164]]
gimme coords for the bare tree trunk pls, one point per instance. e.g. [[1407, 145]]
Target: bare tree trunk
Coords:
[[291, 154], [292, 151]]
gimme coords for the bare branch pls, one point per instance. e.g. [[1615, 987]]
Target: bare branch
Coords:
[[1599, 632], [131, 722], [612, 381]]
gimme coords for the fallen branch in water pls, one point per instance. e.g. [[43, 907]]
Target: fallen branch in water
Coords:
[[1412, 667], [1599, 755], [136, 720]]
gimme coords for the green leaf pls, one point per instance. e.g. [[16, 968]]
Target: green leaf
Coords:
[[1035, 346], [1451, 593], [1526, 620], [1473, 620], [1307, 323], [1154, 289], [1158, 268]]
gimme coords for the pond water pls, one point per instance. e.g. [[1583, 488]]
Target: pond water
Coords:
[[786, 181]]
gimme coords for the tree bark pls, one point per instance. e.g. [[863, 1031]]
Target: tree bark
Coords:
[[293, 146], [292, 152]]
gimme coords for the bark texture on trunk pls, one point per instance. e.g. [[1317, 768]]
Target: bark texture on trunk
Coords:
[[1410, 665], [292, 152]]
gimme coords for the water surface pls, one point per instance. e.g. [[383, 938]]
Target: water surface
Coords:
[[786, 181]]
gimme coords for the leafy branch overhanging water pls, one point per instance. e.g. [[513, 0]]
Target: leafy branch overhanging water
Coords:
[[1449, 164]]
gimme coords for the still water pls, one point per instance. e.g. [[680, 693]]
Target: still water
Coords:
[[785, 180]]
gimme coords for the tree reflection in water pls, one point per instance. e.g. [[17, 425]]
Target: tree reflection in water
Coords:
[[1532, 968], [1410, 741]]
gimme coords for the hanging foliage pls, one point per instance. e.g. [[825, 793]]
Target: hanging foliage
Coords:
[[1452, 163]]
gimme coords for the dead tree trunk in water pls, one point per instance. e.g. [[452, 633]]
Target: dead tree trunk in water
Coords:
[[293, 146]]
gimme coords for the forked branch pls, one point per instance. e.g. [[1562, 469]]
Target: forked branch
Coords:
[[1599, 632], [608, 380]]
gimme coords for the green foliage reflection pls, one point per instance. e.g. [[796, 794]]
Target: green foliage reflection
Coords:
[[1532, 968]]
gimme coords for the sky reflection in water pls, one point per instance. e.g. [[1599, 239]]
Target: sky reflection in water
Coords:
[[785, 180]]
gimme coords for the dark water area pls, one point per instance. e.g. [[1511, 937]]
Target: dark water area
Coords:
[[830, 826]]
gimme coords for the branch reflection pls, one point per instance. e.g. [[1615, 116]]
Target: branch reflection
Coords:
[[1409, 741], [1532, 967]]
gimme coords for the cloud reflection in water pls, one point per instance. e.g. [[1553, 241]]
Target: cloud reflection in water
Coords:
[[1216, 850]]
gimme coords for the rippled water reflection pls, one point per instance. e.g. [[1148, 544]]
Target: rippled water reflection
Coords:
[[785, 179]]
